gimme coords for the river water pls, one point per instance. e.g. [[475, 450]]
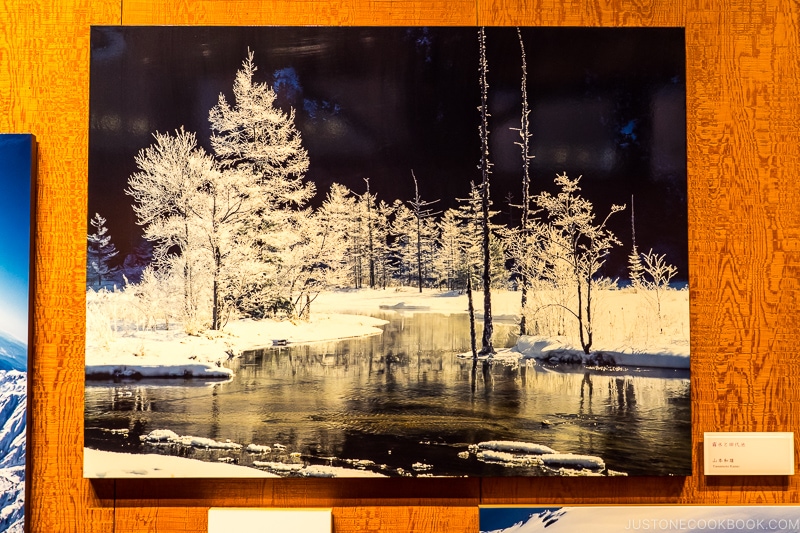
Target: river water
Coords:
[[406, 402]]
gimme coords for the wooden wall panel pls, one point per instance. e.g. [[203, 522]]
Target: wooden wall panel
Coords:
[[743, 117], [610, 13], [314, 12]]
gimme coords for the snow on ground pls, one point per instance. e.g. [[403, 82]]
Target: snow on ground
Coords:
[[173, 353], [505, 304], [101, 464], [516, 453], [619, 337], [337, 471], [556, 350]]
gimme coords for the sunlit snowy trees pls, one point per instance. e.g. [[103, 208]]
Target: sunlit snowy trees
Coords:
[[573, 239], [260, 142], [166, 192], [423, 235], [655, 279], [235, 232], [230, 226]]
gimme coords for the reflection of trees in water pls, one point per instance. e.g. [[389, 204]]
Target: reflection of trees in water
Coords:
[[326, 397], [621, 391], [486, 376], [587, 390], [127, 398]]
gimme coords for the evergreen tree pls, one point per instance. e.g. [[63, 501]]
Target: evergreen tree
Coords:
[[635, 266], [449, 260], [403, 247], [255, 137], [99, 251], [422, 216]]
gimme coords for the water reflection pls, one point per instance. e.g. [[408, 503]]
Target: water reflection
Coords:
[[404, 397]]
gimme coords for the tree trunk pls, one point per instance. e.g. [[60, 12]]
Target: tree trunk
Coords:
[[471, 307], [419, 253], [488, 328], [215, 314]]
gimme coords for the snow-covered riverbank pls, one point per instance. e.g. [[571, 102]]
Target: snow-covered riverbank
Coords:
[[173, 353], [668, 355]]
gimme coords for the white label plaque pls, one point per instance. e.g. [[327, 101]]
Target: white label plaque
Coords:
[[225, 520], [748, 454]]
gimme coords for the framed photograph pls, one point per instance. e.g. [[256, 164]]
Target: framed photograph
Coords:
[[666, 518], [17, 173], [387, 251]]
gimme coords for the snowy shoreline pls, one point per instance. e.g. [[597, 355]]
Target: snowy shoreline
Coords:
[[337, 316], [276, 461], [173, 353]]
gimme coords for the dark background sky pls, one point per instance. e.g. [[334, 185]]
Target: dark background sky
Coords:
[[608, 104]]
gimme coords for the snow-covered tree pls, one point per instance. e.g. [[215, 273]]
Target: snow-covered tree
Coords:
[[99, 251], [450, 259], [524, 144], [320, 249], [403, 247], [423, 234], [485, 167], [384, 213], [367, 202], [255, 134], [336, 216], [171, 172], [635, 267], [655, 279], [574, 240], [255, 137]]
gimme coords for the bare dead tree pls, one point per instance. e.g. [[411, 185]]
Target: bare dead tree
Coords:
[[524, 144], [486, 168]]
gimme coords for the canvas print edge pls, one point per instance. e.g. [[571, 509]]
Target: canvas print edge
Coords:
[[497, 451]]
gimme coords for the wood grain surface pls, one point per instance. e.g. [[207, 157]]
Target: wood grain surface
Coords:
[[743, 117]]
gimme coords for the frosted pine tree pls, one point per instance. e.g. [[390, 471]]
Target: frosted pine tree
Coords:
[[403, 247], [367, 205], [254, 136], [450, 257], [99, 251], [336, 216], [635, 266], [422, 235], [383, 252]]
